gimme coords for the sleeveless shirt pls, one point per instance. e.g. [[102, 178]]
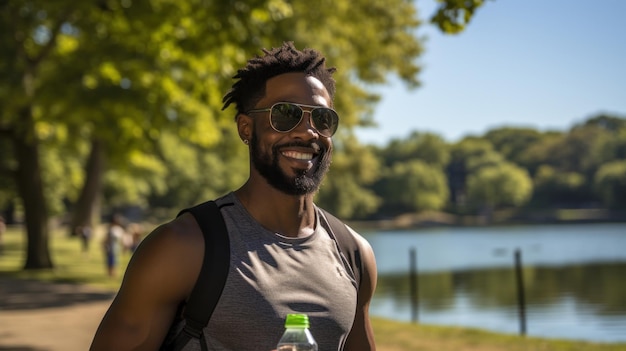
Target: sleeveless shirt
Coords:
[[272, 275]]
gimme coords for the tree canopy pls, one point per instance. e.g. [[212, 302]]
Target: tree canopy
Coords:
[[95, 94], [116, 103]]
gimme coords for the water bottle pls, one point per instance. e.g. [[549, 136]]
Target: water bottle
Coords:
[[297, 336]]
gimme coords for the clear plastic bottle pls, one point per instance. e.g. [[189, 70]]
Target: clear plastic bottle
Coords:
[[297, 336]]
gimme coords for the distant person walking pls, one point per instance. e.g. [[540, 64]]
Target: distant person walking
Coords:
[[84, 233], [134, 235], [112, 244], [3, 228]]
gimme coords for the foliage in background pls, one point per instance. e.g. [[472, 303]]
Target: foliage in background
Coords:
[[500, 185], [114, 104], [610, 184], [118, 75], [453, 16], [347, 188]]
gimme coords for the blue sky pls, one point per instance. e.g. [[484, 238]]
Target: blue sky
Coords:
[[544, 64]]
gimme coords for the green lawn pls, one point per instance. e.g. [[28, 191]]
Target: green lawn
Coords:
[[398, 336], [72, 265]]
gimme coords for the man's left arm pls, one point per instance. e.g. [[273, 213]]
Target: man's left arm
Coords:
[[361, 337]]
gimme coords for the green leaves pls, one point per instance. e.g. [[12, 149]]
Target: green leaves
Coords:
[[416, 186], [610, 184], [502, 184], [453, 15]]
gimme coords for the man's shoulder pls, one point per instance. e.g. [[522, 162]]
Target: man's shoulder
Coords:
[[337, 224], [180, 236], [167, 262], [347, 236]]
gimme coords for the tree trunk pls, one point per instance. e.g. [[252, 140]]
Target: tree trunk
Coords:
[[30, 188], [87, 208]]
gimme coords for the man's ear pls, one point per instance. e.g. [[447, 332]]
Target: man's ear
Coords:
[[244, 127]]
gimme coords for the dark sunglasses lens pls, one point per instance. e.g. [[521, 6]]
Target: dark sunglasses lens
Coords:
[[325, 121], [285, 116]]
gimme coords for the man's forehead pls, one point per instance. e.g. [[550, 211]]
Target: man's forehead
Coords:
[[297, 87]]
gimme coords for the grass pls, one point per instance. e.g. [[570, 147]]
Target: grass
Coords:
[[399, 336], [72, 265]]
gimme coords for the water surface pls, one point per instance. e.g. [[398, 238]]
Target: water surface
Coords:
[[575, 278]]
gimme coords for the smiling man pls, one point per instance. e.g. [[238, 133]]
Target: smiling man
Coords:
[[308, 155], [282, 257]]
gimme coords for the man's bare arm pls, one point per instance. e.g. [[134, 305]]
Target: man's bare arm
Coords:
[[160, 275], [361, 337]]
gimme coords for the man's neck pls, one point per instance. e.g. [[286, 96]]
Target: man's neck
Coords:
[[288, 215]]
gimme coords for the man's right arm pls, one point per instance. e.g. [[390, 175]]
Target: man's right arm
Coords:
[[160, 275]]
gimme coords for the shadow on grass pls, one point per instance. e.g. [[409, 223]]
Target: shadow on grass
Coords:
[[30, 294]]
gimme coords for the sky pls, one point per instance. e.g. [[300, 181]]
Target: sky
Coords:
[[542, 64]]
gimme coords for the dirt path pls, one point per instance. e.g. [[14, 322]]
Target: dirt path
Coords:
[[39, 316]]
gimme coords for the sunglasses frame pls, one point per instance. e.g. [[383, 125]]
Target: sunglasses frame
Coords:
[[312, 108]]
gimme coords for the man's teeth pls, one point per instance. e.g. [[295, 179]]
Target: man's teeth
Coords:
[[298, 155]]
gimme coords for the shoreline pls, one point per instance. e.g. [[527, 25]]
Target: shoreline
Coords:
[[433, 219]]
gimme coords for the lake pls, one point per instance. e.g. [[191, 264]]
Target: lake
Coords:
[[574, 278]]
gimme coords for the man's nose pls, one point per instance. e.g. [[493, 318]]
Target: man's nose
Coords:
[[306, 124]]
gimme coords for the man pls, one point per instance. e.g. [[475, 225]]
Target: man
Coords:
[[282, 259], [112, 244]]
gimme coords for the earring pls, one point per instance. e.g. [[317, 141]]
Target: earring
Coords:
[[245, 141]]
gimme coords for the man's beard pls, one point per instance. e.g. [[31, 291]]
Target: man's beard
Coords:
[[303, 183]]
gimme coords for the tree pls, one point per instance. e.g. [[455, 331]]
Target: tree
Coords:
[[119, 74], [453, 15], [499, 185], [413, 173], [64, 61], [196, 173], [582, 150], [610, 184], [614, 124], [347, 189], [557, 188], [512, 143], [466, 156], [579, 150], [427, 147], [413, 186]]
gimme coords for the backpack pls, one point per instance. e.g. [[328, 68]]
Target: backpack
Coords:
[[205, 295]]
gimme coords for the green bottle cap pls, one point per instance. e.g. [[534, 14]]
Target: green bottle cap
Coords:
[[296, 320]]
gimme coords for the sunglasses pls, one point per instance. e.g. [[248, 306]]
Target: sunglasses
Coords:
[[285, 116]]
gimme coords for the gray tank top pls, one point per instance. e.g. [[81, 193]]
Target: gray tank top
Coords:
[[272, 275]]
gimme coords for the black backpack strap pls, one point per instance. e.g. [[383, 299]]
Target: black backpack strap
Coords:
[[210, 283], [347, 243]]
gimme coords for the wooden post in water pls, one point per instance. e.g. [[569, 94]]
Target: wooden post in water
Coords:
[[413, 284], [521, 300]]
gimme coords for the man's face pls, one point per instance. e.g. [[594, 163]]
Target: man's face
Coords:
[[294, 162]]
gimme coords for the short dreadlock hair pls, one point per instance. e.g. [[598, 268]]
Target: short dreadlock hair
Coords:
[[250, 88]]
